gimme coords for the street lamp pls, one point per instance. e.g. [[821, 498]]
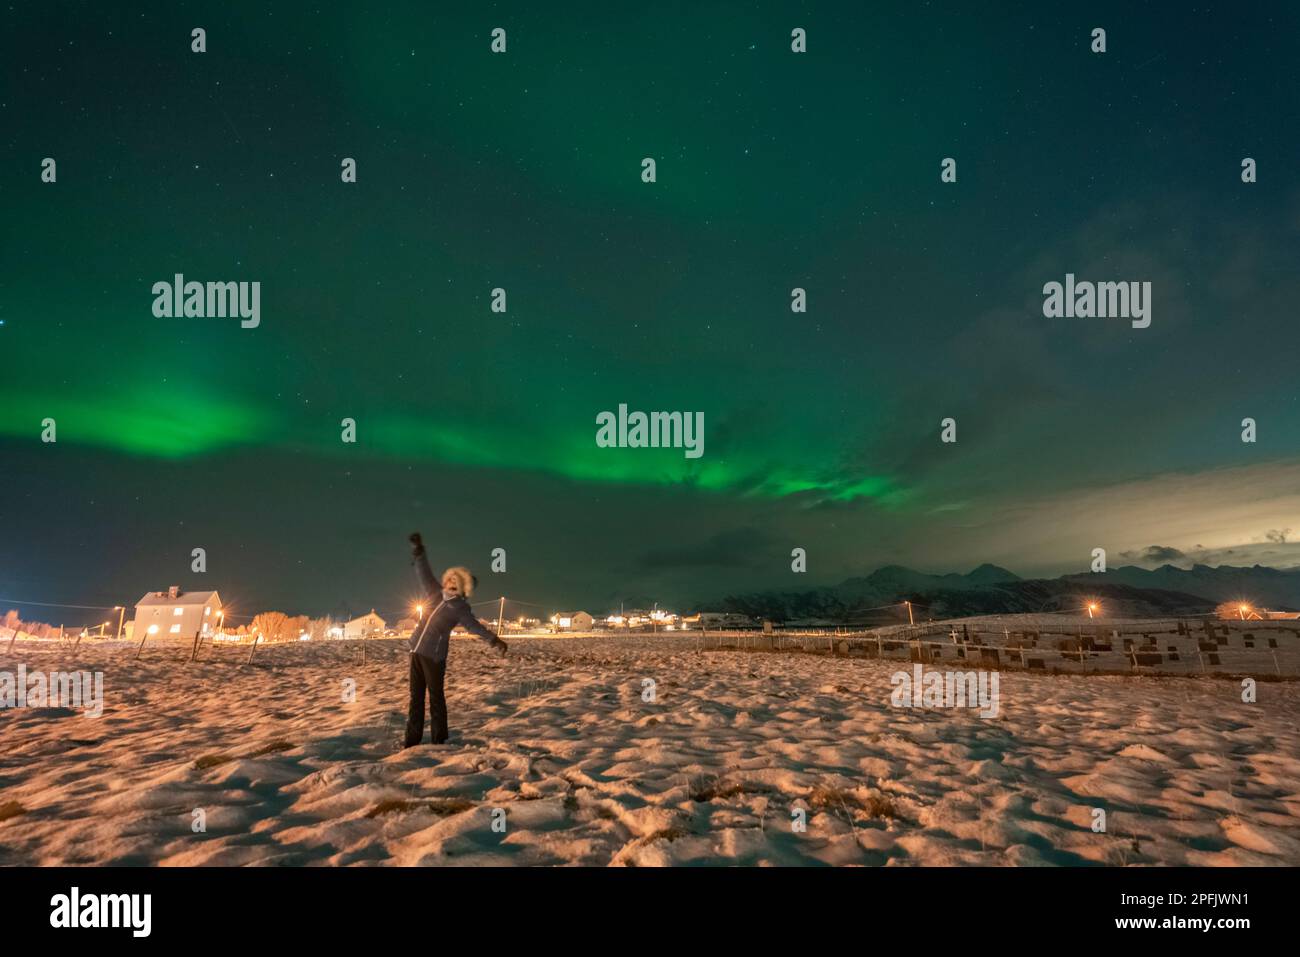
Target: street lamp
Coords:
[[1092, 606], [1241, 610], [909, 612]]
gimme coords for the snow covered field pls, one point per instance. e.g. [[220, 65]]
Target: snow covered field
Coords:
[[560, 737]]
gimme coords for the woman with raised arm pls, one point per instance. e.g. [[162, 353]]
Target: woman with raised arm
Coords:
[[431, 640]]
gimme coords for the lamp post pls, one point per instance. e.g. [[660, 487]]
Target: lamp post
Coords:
[[909, 613], [121, 614], [1092, 606]]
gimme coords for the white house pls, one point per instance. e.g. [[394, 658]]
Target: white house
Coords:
[[364, 627], [571, 621], [177, 613]]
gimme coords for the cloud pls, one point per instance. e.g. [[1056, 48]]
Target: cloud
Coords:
[[1155, 553]]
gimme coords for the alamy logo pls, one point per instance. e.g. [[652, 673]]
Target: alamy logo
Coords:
[[58, 689], [1103, 300], [946, 689], [211, 300], [657, 430], [103, 910]]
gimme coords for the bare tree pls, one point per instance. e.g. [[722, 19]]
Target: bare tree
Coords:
[[270, 625]]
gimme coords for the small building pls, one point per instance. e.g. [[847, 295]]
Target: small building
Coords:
[[571, 621], [177, 613], [367, 626], [406, 626], [1229, 611]]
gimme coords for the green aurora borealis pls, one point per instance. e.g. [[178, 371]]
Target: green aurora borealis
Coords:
[[522, 171]]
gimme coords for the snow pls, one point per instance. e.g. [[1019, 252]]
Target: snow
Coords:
[[559, 737]]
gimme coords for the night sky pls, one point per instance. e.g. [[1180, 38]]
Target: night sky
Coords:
[[522, 170]]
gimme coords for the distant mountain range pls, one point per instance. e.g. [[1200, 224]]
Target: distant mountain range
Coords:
[[1128, 591], [1276, 588]]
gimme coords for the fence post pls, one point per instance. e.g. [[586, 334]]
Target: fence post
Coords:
[[252, 651]]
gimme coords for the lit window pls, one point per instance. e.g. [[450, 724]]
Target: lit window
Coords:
[[207, 611], [178, 611], [175, 629], [153, 629]]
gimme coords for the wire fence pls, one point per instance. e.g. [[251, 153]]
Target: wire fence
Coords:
[[1172, 646]]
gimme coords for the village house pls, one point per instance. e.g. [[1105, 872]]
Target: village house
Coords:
[[367, 626], [177, 613]]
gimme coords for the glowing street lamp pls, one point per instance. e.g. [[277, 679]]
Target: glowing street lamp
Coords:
[[909, 612], [1241, 610], [419, 612], [1092, 606]]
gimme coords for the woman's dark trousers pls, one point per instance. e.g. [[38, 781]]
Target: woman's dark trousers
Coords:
[[426, 674]]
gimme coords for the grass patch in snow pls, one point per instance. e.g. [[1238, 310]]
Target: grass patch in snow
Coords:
[[443, 807], [714, 788], [874, 804], [273, 748], [211, 761]]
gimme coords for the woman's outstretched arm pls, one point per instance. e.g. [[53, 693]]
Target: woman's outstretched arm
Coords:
[[431, 586], [469, 621]]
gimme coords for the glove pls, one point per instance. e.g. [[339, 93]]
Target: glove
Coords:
[[500, 648]]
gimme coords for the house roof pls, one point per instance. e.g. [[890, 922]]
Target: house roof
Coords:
[[370, 614], [569, 614], [156, 598]]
